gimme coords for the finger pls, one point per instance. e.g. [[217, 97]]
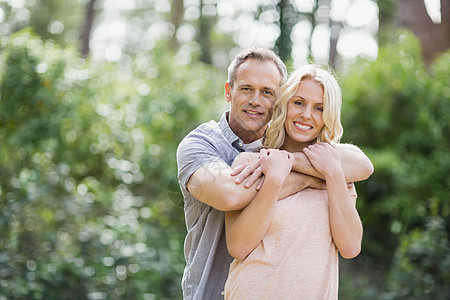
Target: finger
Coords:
[[309, 154], [247, 171], [238, 170], [260, 183], [254, 177], [307, 151]]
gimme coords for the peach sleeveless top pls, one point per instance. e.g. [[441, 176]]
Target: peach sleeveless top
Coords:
[[296, 259]]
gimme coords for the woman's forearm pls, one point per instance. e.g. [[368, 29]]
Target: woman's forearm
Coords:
[[246, 228], [346, 227]]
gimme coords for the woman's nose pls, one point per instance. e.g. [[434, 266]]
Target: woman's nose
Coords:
[[306, 113]]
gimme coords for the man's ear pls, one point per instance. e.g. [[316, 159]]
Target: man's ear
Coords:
[[228, 91]]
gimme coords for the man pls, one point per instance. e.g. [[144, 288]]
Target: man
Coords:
[[204, 158]]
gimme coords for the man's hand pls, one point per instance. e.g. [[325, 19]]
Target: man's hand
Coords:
[[250, 171]]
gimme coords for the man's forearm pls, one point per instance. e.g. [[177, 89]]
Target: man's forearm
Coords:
[[296, 182], [303, 165], [212, 185], [355, 164]]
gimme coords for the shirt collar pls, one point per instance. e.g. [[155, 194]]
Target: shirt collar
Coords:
[[253, 146], [231, 137]]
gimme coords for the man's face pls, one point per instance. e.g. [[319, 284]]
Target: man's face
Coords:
[[252, 97]]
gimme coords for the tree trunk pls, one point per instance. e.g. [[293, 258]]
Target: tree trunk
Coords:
[[87, 28], [313, 21], [445, 19], [288, 19], [205, 24], [434, 38], [176, 17], [335, 31]]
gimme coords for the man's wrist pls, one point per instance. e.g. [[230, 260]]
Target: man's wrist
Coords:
[[302, 165]]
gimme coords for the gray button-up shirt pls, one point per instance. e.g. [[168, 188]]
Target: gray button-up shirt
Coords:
[[205, 251]]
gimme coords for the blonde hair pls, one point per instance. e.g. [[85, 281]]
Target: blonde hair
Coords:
[[332, 101]]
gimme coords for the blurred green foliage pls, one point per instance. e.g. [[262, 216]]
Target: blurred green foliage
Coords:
[[398, 111], [422, 263], [89, 202]]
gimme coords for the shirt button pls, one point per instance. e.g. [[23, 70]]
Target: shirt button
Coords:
[[240, 144]]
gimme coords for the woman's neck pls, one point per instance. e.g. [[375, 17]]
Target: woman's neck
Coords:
[[295, 147]]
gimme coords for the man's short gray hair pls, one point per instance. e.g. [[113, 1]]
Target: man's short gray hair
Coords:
[[259, 54]]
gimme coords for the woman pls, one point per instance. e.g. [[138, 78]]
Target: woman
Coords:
[[288, 249]]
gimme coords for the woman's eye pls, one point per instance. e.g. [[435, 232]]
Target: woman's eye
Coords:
[[319, 109], [299, 103]]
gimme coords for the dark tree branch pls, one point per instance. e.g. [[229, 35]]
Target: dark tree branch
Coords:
[[87, 28]]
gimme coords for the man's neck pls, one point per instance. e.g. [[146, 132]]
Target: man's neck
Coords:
[[246, 136]]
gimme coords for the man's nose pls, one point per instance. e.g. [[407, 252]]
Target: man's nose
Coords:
[[255, 99]]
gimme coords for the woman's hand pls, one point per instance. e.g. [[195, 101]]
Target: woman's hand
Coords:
[[276, 164], [324, 157]]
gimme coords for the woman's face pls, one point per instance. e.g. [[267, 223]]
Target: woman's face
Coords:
[[304, 120]]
